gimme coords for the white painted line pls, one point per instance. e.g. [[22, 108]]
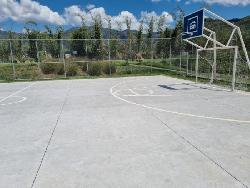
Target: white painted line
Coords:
[[15, 102], [151, 92], [15, 93], [147, 95], [131, 90], [243, 93], [174, 112]]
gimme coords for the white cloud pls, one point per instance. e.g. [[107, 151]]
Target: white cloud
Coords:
[[226, 2], [169, 18], [90, 6], [119, 21], [72, 17], [156, 1], [147, 16], [24, 10]]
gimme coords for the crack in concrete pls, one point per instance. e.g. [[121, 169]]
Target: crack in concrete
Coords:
[[51, 136], [200, 151]]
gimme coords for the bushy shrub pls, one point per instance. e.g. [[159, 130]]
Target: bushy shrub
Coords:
[[72, 69], [124, 70], [27, 71], [109, 68], [48, 68], [52, 68], [6, 72], [60, 69], [95, 69], [82, 65], [85, 66]]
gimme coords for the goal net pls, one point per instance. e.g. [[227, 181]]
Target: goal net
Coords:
[[222, 73]]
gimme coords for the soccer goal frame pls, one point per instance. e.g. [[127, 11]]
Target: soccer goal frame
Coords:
[[216, 44]]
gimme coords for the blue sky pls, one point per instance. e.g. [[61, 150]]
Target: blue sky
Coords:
[[13, 13], [113, 7]]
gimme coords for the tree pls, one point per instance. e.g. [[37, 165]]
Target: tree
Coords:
[[108, 19], [139, 37], [167, 42], [97, 48], [128, 25], [160, 31], [51, 45], [112, 43], [59, 37], [32, 34], [150, 37], [79, 45], [176, 34], [17, 49]]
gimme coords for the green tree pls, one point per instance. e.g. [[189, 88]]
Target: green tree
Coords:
[[51, 46], [129, 37], [139, 37], [167, 42], [97, 48], [32, 34], [150, 37], [112, 43], [160, 31], [79, 45], [59, 37]]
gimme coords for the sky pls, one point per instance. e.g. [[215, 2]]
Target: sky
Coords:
[[67, 13]]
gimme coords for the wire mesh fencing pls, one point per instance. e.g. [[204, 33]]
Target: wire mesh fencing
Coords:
[[51, 58]]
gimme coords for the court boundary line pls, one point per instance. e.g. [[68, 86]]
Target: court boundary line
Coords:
[[169, 111], [199, 150], [17, 92], [15, 102]]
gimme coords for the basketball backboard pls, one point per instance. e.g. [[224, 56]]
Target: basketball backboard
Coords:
[[193, 25]]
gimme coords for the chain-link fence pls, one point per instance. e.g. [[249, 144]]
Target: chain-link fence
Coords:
[[51, 58]]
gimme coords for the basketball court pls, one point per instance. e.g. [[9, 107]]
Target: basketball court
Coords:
[[153, 131], [123, 132]]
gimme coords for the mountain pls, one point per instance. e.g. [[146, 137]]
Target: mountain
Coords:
[[243, 23], [224, 31], [3, 34], [105, 32]]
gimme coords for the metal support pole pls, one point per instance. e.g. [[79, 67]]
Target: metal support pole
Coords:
[[86, 48], [191, 67], [197, 66], [12, 61], [62, 56], [152, 53], [234, 67], [37, 55], [187, 63], [22, 51], [244, 47], [213, 74], [180, 61], [109, 58], [170, 53]]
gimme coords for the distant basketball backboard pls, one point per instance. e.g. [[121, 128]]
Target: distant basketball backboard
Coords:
[[193, 25]]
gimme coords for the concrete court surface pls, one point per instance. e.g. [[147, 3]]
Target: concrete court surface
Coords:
[[123, 132]]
